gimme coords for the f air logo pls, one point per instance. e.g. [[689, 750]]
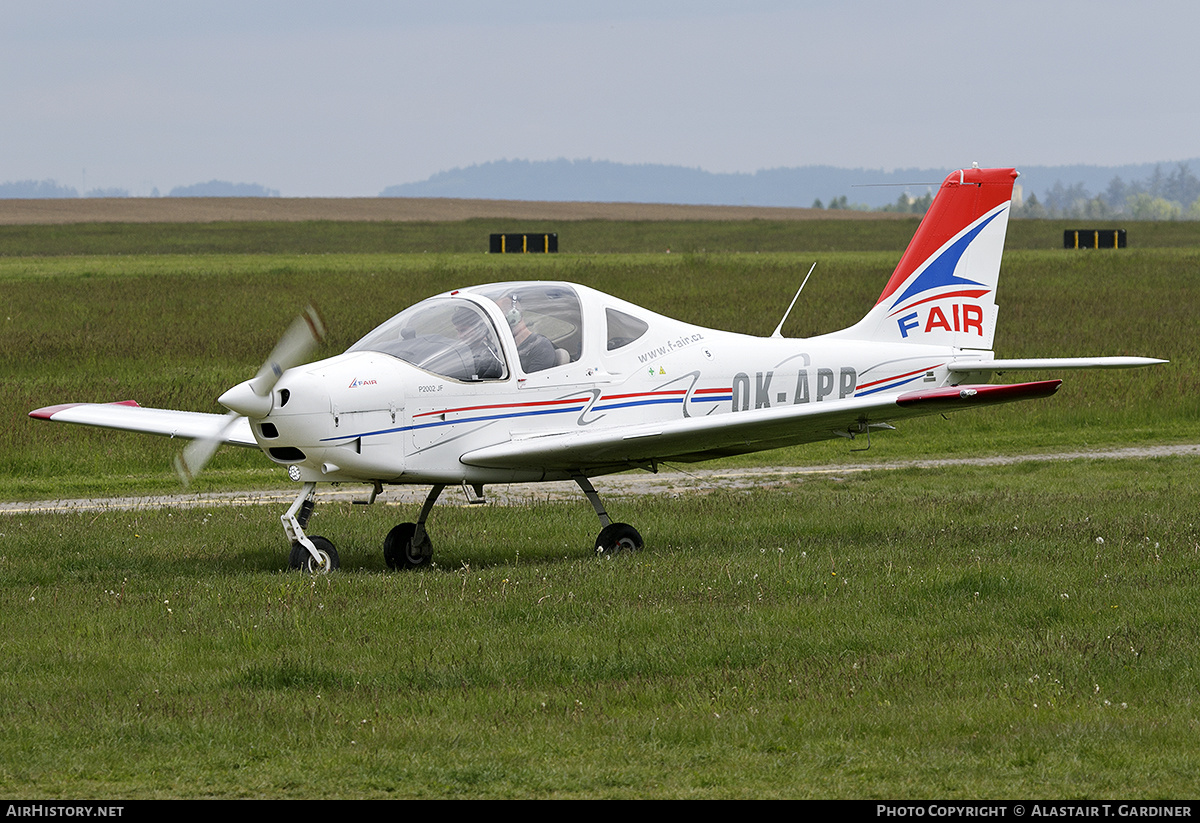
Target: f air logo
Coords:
[[964, 317], [925, 305]]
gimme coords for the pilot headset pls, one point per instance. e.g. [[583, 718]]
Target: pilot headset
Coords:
[[513, 315]]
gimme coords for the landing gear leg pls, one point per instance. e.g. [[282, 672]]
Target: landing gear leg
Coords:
[[408, 546], [313, 554], [613, 537]]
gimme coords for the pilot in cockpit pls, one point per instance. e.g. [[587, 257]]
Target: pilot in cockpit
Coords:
[[535, 350]]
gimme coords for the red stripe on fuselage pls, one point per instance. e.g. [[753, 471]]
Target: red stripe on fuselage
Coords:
[[490, 406], [568, 401], [861, 386]]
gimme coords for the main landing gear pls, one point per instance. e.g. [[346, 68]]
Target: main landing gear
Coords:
[[407, 546], [613, 537]]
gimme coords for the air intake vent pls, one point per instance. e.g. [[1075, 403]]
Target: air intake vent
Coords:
[[286, 454]]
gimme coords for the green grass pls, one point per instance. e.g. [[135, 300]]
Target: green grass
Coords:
[[957, 633], [575, 236]]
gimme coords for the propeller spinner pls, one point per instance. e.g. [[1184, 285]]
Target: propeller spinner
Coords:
[[253, 398]]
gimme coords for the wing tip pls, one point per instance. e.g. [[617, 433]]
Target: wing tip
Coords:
[[48, 412]]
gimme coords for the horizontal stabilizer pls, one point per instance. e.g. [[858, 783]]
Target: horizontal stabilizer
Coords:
[[1032, 364]]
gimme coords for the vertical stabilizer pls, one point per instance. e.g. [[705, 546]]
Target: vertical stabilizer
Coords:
[[943, 292]]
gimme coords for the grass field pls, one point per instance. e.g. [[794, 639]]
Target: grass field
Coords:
[[1028, 631], [1019, 631], [879, 232]]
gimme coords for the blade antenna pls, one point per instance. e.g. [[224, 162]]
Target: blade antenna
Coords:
[[779, 329]]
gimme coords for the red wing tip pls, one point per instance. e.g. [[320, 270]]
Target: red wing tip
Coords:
[[48, 412]]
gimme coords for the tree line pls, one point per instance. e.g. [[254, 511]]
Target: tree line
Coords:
[[51, 189], [1173, 195], [1163, 196]]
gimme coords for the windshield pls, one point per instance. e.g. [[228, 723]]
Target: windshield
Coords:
[[453, 338]]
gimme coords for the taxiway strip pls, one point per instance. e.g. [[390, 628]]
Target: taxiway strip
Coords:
[[669, 481]]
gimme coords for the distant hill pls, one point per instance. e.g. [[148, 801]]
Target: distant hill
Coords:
[[35, 190], [220, 188], [608, 182]]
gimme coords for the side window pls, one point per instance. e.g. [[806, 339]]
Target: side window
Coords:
[[623, 328]]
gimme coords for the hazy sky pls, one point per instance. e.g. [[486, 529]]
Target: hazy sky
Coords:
[[346, 98]]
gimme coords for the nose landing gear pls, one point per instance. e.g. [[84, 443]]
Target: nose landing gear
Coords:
[[312, 554]]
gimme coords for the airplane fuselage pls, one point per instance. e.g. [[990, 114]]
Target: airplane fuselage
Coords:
[[370, 416]]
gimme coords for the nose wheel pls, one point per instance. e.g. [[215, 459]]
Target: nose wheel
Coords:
[[315, 555], [322, 558]]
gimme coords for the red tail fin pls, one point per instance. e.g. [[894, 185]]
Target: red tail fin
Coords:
[[943, 290]]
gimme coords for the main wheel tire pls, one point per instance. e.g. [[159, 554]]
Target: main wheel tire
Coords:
[[618, 537], [400, 552], [301, 559]]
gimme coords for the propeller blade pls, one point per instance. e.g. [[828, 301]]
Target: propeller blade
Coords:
[[195, 456], [298, 342]]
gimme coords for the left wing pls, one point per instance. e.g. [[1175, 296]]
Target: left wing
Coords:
[[127, 415], [703, 438]]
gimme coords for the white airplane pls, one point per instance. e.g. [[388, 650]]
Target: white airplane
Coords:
[[533, 381]]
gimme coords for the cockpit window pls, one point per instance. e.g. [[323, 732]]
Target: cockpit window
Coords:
[[545, 319], [623, 328], [453, 338]]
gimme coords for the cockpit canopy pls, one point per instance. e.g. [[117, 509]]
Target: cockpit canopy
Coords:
[[487, 332]]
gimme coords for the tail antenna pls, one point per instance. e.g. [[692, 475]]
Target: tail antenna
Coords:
[[779, 329]]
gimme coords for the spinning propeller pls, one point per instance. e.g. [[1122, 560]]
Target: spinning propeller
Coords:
[[253, 398]]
